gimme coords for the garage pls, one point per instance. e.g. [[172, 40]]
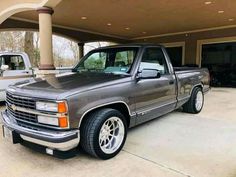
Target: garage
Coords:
[[220, 59], [176, 53]]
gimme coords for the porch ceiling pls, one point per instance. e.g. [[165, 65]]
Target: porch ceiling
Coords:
[[141, 18]]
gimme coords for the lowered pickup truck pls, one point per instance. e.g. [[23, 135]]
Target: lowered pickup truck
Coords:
[[110, 90]]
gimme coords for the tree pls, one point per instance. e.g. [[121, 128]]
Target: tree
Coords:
[[36, 48], [29, 47], [11, 41], [75, 50]]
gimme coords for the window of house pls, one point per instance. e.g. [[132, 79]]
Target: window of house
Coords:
[[176, 55]]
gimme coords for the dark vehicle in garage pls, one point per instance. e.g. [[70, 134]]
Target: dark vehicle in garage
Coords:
[[219, 58], [110, 90]]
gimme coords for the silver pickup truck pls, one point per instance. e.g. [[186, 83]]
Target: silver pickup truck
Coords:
[[16, 67], [110, 90]]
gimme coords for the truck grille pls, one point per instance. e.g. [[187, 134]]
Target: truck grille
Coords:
[[19, 101], [21, 117], [25, 117]]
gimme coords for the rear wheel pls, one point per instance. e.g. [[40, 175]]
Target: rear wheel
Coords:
[[196, 101], [103, 133]]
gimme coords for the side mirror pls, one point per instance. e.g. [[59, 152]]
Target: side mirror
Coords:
[[149, 74], [4, 67]]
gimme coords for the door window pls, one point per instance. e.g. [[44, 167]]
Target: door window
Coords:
[[153, 58], [1, 61], [124, 58], [14, 62]]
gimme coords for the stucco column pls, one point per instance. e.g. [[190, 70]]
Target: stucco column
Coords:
[[81, 50], [45, 35]]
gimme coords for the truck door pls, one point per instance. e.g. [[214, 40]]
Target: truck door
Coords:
[[156, 96], [17, 71]]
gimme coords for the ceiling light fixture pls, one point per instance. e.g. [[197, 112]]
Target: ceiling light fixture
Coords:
[[144, 32], [221, 11], [84, 18], [231, 19], [127, 28], [208, 2], [108, 24]]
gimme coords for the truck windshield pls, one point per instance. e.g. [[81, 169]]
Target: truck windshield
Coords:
[[113, 60]]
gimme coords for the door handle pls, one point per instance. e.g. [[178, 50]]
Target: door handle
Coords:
[[26, 72], [171, 82]]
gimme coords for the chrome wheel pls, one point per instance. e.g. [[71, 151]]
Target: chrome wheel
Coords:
[[199, 101], [111, 135]]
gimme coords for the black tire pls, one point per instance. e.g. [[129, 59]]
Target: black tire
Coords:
[[90, 130], [190, 106]]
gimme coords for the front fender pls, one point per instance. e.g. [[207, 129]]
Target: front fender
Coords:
[[100, 103], [79, 108]]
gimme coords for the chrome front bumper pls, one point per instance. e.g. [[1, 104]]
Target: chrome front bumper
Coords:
[[56, 140]]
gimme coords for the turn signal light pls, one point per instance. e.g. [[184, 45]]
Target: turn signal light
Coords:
[[62, 107], [63, 122]]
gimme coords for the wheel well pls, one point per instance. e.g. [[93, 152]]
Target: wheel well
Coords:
[[121, 107], [197, 86]]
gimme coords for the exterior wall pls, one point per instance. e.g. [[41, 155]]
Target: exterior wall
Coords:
[[192, 51]]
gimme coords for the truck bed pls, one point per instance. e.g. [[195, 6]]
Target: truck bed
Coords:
[[185, 68], [187, 78]]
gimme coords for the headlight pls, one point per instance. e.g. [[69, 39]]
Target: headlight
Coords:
[[48, 120], [56, 121], [58, 107]]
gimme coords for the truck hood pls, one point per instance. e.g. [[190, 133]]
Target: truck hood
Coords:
[[61, 86]]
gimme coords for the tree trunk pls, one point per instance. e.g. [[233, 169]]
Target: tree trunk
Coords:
[[29, 47]]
